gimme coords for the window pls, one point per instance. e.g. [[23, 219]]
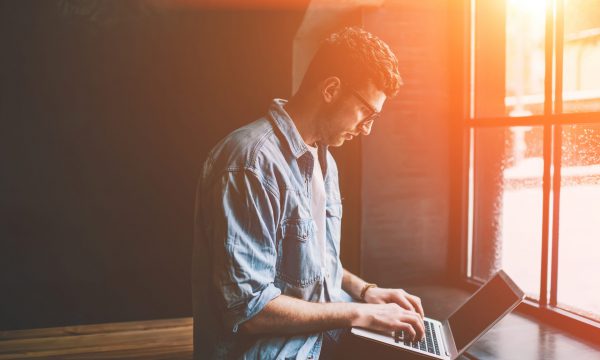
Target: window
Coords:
[[534, 150]]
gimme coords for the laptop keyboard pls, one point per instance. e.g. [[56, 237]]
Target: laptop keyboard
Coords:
[[429, 342]]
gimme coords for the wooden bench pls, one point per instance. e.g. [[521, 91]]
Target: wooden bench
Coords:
[[515, 337], [154, 339]]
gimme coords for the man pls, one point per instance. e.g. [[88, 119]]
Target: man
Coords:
[[268, 281]]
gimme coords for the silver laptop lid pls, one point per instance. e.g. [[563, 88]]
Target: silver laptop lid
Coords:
[[483, 309]]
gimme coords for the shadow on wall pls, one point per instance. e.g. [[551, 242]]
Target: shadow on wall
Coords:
[[108, 109]]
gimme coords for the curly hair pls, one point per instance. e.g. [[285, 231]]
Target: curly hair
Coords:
[[357, 56]]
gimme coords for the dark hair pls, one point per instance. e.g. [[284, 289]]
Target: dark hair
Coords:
[[356, 56]]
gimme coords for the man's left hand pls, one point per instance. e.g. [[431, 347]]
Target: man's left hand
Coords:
[[405, 300]]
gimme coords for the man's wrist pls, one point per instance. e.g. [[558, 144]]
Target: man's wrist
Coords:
[[365, 288], [356, 314], [345, 314]]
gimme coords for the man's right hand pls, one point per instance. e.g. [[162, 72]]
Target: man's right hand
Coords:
[[288, 315], [390, 318]]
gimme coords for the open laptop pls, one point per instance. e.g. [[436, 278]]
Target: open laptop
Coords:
[[448, 339]]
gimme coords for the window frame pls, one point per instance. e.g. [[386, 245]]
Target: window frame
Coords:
[[552, 120]]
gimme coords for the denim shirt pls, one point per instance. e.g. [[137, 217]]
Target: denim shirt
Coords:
[[255, 239]]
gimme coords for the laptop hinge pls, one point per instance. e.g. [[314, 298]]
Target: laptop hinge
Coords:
[[449, 339]]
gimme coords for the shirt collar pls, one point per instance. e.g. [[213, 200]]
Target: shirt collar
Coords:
[[282, 120]]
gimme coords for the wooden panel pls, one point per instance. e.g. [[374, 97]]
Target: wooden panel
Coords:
[[156, 339], [95, 329]]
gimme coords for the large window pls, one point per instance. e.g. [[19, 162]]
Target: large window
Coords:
[[534, 149]]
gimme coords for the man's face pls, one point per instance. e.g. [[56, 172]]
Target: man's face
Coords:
[[344, 117]]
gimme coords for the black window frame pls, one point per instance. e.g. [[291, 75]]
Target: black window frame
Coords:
[[552, 120]]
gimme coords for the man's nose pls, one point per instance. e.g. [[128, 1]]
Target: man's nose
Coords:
[[365, 128]]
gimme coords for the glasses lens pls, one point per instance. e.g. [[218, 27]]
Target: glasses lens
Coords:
[[372, 117]]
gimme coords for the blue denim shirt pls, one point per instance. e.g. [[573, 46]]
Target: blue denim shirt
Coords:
[[255, 238]]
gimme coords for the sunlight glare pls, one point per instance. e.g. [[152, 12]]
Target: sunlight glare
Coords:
[[528, 6]]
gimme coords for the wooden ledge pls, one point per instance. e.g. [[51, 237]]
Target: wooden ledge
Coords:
[[517, 336], [152, 339]]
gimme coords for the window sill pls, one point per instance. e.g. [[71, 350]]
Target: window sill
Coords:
[[572, 323], [520, 335]]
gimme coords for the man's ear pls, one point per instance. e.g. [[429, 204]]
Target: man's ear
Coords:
[[330, 89]]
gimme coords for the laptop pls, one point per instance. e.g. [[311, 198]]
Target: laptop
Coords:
[[448, 339]]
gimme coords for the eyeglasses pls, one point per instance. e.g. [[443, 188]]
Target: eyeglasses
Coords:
[[368, 121]]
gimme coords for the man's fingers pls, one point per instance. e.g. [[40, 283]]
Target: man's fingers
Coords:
[[393, 317], [404, 303], [413, 304], [416, 302], [409, 332], [416, 324]]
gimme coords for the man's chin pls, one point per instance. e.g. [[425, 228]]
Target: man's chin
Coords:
[[338, 142]]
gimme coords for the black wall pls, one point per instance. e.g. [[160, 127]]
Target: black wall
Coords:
[[411, 163], [107, 110]]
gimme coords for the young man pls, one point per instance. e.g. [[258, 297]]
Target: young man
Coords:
[[267, 277]]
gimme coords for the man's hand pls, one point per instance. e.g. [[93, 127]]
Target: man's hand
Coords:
[[396, 296], [390, 318], [396, 304]]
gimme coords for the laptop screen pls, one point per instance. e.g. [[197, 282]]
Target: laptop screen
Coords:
[[482, 309]]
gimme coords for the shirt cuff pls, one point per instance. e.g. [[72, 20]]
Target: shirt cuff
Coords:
[[253, 306]]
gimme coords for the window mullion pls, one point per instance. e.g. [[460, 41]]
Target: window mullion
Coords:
[[549, 42], [558, 107]]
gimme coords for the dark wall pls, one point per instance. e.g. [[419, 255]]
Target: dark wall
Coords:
[[107, 111], [411, 160]]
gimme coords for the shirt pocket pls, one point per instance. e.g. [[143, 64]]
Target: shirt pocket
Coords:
[[301, 255]]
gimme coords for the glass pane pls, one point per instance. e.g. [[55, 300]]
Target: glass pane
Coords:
[[508, 49], [488, 50], [508, 168], [579, 231], [581, 78], [525, 36]]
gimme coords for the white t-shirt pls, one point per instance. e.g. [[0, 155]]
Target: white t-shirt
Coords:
[[318, 203]]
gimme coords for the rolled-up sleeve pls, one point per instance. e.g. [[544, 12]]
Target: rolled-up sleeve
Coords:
[[245, 212]]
